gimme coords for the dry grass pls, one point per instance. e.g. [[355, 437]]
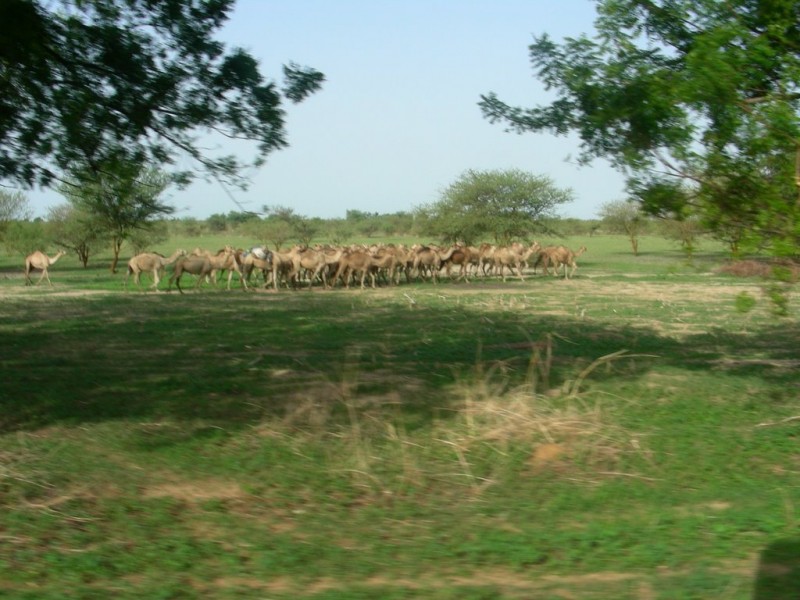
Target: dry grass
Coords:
[[557, 428], [488, 423], [761, 268]]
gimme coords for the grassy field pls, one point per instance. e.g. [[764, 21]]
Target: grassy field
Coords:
[[631, 434]]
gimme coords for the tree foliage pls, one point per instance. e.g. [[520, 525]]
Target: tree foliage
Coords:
[[23, 237], [14, 206], [74, 229], [99, 82], [699, 91], [503, 205], [626, 218], [120, 202]]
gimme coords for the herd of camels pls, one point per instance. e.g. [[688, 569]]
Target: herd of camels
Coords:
[[303, 265]]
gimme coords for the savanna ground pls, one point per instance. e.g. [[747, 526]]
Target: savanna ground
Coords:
[[632, 433]]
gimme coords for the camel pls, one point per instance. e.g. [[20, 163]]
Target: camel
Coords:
[[506, 257], [486, 258], [202, 266], [427, 259], [316, 262], [256, 260], [286, 265], [147, 262], [463, 256], [358, 261], [196, 265], [40, 260], [224, 260], [545, 257], [514, 257], [563, 257], [387, 260]]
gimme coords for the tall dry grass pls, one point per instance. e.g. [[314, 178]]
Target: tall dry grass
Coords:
[[488, 430]]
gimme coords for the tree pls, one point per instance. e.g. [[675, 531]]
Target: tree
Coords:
[[505, 205], [13, 207], [143, 239], [74, 230], [23, 237], [217, 222], [98, 82], [700, 91], [686, 231], [626, 218], [339, 231], [119, 203], [305, 229]]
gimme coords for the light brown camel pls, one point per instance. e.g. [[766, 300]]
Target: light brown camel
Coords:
[[223, 260], [486, 258], [150, 262], [40, 260], [250, 262], [513, 257], [315, 262], [427, 259], [352, 262], [287, 266], [563, 257], [387, 262], [195, 265], [545, 258]]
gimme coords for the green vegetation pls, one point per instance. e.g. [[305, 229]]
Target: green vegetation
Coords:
[[97, 83], [631, 433], [503, 206], [695, 101]]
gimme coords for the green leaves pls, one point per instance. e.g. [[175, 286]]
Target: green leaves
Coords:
[[505, 205], [130, 80], [702, 92]]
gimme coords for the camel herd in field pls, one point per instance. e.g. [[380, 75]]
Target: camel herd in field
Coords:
[[357, 264]]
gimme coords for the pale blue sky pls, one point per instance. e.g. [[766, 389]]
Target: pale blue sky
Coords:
[[397, 120]]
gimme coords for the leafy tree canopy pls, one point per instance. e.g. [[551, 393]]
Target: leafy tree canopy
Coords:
[[504, 205], [13, 207], [126, 199], [99, 82], [74, 230], [624, 217], [702, 91]]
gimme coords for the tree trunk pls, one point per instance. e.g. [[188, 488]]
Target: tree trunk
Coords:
[[83, 254], [116, 244]]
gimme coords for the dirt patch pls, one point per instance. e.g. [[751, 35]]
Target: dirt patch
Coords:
[[45, 292], [196, 491], [513, 583]]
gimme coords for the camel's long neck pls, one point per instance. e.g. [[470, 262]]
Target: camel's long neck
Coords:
[[173, 258], [56, 258]]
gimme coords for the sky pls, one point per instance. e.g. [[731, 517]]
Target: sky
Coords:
[[397, 120]]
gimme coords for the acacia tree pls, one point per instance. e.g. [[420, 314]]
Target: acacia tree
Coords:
[[99, 82], [626, 218], [74, 230], [505, 205], [701, 91], [13, 207], [119, 203]]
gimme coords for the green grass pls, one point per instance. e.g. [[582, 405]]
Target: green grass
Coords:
[[629, 434]]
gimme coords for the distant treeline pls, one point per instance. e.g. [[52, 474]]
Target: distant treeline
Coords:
[[357, 224]]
